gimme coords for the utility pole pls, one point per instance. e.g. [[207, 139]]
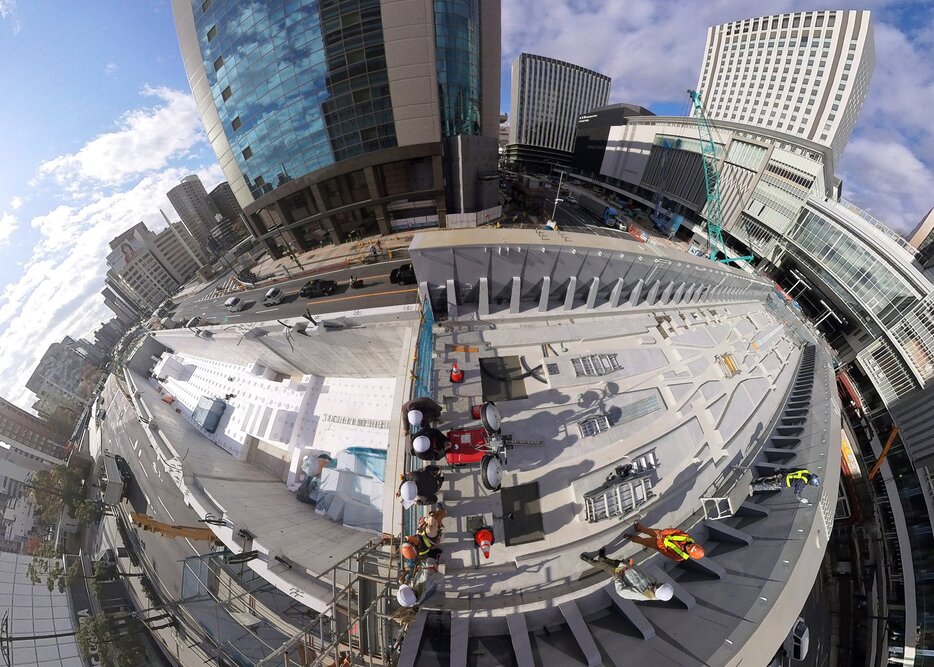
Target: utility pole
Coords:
[[179, 237], [557, 195]]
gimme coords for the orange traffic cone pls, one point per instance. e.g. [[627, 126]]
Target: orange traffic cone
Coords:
[[457, 375], [484, 538]]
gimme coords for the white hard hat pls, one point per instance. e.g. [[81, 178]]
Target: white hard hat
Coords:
[[415, 417], [664, 592], [409, 492], [421, 444], [406, 596]]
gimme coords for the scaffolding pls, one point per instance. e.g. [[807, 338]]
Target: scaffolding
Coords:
[[357, 627]]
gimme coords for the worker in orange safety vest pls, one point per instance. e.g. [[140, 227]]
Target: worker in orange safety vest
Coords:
[[670, 542]]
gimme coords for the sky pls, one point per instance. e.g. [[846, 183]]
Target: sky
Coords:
[[98, 123]]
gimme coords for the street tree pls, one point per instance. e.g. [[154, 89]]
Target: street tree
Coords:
[[54, 489], [113, 640]]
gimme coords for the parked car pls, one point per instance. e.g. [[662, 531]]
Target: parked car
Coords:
[[571, 200], [273, 297], [797, 643], [403, 275], [318, 287], [234, 304]]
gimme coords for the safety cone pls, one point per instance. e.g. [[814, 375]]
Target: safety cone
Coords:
[[483, 539], [457, 375]]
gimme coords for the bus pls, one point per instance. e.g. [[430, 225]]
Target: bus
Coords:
[[110, 479]]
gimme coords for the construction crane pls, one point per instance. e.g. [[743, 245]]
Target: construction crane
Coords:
[[712, 183], [146, 522]]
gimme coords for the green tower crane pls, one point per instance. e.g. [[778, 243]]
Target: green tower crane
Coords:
[[712, 182]]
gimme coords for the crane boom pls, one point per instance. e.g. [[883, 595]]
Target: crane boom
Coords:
[[711, 181], [146, 522]]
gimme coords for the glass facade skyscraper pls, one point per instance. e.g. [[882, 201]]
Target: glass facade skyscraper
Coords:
[[457, 31], [335, 116], [298, 85]]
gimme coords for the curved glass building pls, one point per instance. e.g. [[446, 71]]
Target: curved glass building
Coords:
[[338, 117]]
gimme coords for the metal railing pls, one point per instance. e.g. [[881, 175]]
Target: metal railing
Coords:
[[881, 226]]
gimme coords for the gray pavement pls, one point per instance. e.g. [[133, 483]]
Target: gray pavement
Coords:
[[152, 491]]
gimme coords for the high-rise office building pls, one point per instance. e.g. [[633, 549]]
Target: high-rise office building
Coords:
[[364, 117], [144, 268], [64, 377], [922, 238], [196, 209], [548, 96], [31, 436], [802, 73], [225, 202]]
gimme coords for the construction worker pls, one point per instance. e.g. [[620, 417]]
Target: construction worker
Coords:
[[421, 585], [418, 412], [630, 582], [670, 542], [420, 486], [798, 480], [430, 444]]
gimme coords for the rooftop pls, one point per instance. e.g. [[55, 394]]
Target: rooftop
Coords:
[[684, 369]]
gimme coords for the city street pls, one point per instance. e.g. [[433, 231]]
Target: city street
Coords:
[[152, 491], [377, 291]]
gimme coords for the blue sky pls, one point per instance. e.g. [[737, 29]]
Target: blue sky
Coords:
[[98, 123]]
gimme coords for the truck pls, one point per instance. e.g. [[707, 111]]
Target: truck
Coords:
[[111, 480], [607, 215]]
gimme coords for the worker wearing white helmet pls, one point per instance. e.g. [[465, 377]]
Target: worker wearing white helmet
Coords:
[[630, 582], [418, 413], [429, 444], [420, 486]]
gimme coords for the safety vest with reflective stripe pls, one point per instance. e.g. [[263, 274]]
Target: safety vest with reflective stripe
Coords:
[[671, 542], [427, 544], [803, 475]]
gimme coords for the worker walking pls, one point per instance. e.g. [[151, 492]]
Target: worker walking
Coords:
[[798, 480], [430, 444], [630, 582], [420, 486], [417, 413], [670, 542]]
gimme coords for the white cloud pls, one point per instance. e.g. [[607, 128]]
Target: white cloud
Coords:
[[59, 291], [111, 68], [8, 225], [145, 140], [8, 11], [114, 181]]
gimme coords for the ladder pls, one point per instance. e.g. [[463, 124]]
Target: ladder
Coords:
[[617, 500]]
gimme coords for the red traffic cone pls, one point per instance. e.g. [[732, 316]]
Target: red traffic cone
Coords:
[[457, 375], [483, 539]]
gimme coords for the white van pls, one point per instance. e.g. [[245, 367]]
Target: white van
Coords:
[[273, 297], [234, 304]]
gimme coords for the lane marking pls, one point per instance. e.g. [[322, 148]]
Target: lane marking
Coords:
[[172, 518], [143, 468], [197, 553], [361, 296], [268, 310]]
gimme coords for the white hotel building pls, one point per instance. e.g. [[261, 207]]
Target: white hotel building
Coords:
[[803, 73]]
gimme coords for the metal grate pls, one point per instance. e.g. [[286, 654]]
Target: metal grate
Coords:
[[641, 408], [553, 369], [595, 364], [594, 425]]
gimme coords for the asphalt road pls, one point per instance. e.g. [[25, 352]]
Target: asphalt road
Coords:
[[152, 492], [377, 291]]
